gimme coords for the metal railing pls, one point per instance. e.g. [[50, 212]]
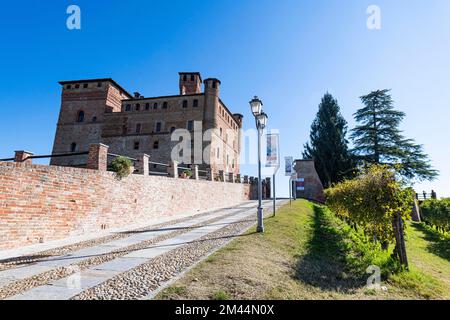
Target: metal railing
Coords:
[[426, 196], [57, 155], [153, 169]]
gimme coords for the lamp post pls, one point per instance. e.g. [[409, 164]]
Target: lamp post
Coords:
[[261, 122]]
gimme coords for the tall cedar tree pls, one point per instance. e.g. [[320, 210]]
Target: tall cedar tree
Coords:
[[378, 139], [328, 145]]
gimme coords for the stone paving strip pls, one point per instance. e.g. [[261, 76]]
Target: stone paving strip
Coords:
[[15, 281], [148, 278], [74, 284], [14, 262]]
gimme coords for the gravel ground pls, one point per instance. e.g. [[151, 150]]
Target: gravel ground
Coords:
[[58, 273], [139, 282], [64, 250]]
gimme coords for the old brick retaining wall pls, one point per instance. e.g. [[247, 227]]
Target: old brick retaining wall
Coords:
[[43, 203]]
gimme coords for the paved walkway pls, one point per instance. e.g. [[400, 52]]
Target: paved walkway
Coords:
[[93, 267]]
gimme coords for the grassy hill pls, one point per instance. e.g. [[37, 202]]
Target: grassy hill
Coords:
[[307, 253]]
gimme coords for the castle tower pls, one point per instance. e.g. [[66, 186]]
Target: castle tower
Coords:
[[83, 105], [212, 93], [190, 83]]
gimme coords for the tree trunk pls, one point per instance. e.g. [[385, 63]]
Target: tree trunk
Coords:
[[400, 247]]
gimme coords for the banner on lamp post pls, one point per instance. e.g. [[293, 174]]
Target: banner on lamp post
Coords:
[[288, 163], [273, 151]]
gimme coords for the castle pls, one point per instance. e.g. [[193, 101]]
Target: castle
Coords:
[[101, 111]]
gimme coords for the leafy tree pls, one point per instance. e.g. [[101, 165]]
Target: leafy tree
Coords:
[[378, 139], [328, 144]]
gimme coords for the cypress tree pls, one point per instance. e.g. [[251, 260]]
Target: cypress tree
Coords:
[[328, 146]]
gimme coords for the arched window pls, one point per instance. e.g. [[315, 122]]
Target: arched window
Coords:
[[185, 103], [195, 103], [80, 116], [138, 107], [155, 106], [164, 105], [73, 147], [172, 129], [94, 119]]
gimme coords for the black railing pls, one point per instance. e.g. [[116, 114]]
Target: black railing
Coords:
[[118, 155], [56, 155], [426, 196], [158, 168], [204, 174]]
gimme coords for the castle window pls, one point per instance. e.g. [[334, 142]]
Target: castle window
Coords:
[[195, 103], [138, 128], [124, 129], [77, 86], [155, 106], [80, 116], [221, 132], [147, 106], [192, 77], [185, 103], [69, 86], [138, 106], [94, 119], [172, 129], [164, 105], [85, 85], [136, 145], [190, 125], [156, 144], [184, 78], [128, 107], [100, 84], [73, 147], [215, 85], [158, 127]]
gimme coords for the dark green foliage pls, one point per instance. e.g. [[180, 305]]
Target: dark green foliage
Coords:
[[378, 139], [328, 145], [121, 166], [437, 214]]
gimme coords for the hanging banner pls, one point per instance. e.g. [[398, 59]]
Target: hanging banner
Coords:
[[288, 162], [300, 184], [273, 151]]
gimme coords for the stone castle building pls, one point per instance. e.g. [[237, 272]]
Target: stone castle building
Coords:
[[101, 111]]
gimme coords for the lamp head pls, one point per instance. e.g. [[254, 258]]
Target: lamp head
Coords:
[[256, 106]]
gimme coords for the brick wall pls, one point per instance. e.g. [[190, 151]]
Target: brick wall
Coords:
[[43, 203]]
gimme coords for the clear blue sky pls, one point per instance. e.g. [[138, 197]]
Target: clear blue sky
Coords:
[[288, 52]]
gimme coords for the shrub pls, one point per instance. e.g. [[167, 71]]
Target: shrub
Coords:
[[121, 166], [377, 202], [187, 172], [437, 214]]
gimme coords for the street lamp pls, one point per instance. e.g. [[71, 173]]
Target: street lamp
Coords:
[[261, 122]]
